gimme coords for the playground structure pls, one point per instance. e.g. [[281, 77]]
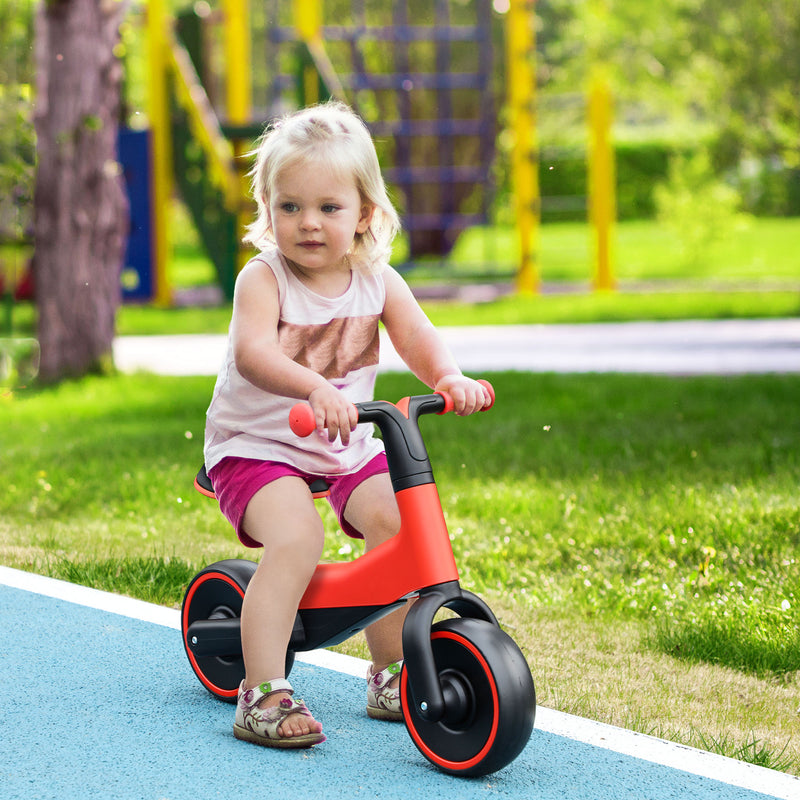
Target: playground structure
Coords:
[[430, 90]]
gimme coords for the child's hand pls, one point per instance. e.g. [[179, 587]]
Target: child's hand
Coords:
[[468, 395], [332, 410]]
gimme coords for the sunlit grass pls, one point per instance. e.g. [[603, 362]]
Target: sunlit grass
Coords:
[[154, 579], [757, 250], [752, 274], [613, 493], [510, 310], [748, 628]]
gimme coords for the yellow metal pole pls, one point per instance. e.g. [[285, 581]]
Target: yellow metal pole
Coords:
[[161, 156], [521, 55], [308, 22], [238, 85], [308, 18], [602, 182], [238, 80]]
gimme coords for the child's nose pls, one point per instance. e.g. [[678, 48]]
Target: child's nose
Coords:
[[309, 220]]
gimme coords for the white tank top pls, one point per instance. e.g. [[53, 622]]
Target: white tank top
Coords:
[[336, 337]]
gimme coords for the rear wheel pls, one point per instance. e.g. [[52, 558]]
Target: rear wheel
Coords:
[[491, 701], [217, 592]]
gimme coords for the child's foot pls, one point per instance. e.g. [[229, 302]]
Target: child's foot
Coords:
[[383, 693], [269, 716]]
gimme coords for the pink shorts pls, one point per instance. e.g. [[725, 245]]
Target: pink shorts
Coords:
[[236, 480]]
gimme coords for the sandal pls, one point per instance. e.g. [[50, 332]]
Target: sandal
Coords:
[[383, 701], [260, 725]]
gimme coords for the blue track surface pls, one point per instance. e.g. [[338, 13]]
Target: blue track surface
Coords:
[[98, 705]]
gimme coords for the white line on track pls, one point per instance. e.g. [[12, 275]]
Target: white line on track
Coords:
[[619, 740]]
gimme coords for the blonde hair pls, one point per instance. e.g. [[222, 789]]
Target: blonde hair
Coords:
[[332, 134]]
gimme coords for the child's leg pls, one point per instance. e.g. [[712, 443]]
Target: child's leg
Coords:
[[372, 510], [281, 516]]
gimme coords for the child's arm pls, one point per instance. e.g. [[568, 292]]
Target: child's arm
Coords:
[[423, 350], [259, 359]]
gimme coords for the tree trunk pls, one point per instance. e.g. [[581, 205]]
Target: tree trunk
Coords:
[[80, 205]]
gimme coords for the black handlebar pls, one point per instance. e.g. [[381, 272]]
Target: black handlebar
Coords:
[[409, 464]]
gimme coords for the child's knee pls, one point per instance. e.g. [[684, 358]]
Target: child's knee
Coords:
[[299, 543], [384, 523], [391, 519], [309, 538]]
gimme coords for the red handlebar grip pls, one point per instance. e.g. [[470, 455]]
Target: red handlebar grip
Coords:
[[489, 388], [449, 405], [448, 401], [302, 420]]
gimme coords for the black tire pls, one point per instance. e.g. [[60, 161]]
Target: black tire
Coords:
[[485, 668], [217, 592]]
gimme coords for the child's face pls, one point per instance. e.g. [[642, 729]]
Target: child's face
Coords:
[[315, 216]]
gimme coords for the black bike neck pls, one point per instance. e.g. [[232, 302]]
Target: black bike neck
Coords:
[[409, 464]]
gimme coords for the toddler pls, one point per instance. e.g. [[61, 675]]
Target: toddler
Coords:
[[305, 321]]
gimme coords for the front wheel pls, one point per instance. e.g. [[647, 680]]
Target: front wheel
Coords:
[[492, 694]]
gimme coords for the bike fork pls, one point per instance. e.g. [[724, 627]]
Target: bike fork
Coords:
[[433, 700]]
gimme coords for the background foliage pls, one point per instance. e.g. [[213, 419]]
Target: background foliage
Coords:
[[717, 76], [16, 127]]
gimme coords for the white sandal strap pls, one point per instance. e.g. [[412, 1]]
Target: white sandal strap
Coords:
[[378, 680], [272, 687], [385, 675]]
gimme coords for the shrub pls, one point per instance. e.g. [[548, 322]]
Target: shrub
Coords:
[[696, 205]]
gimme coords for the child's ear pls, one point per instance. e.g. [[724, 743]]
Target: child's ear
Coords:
[[365, 220]]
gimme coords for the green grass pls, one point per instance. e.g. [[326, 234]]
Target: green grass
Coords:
[[658, 514], [617, 307], [612, 494], [155, 579], [758, 250], [752, 273], [516, 309], [754, 635]]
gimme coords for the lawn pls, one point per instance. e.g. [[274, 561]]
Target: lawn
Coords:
[[639, 536], [756, 250]]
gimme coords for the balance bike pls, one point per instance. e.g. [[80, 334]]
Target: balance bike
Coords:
[[466, 690]]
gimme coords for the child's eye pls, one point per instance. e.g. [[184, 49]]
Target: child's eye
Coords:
[[289, 208], [329, 208]]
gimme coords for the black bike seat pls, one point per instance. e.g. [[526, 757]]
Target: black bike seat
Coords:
[[318, 487], [203, 483]]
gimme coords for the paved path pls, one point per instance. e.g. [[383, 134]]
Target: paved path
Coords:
[[723, 347], [97, 701]]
